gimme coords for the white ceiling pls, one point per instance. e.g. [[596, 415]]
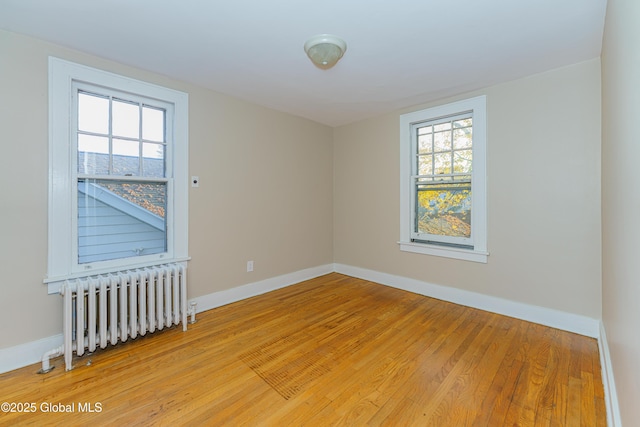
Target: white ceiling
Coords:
[[399, 52]]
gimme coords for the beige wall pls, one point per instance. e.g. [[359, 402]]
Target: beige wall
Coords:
[[543, 195], [265, 193], [621, 200]]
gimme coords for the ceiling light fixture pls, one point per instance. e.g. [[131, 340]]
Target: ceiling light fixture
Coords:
[[325, 50]]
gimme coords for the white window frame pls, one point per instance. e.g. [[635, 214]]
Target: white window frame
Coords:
[[478, 238], [62, 244]]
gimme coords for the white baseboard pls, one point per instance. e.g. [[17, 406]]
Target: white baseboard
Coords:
[[610, 394], [545, 316], [218, 299], [27, 354]]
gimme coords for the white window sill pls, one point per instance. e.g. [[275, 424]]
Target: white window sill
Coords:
[[446, 252]]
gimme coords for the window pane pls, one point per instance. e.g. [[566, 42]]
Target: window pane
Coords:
[[126, 119], [462, 161], [120, 219], [126, 157], [442, 141], [153, 160], [425, 144], [442, 163], [425, 165], [462, 138], [93, 113], [444, 210], [152, 124], [442, 127], [93, 154], [425, 130], [462, 123]]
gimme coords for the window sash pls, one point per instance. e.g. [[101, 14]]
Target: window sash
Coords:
[[80, 261], [113, 95], [435, 180]]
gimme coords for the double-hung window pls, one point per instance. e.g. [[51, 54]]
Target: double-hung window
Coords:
[[118, 173], [122, 175], [443, 193]]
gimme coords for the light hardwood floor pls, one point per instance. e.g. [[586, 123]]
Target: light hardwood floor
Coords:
[[334, 350]]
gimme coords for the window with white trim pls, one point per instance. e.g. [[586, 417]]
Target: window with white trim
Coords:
[[443, 181], [118, 193]]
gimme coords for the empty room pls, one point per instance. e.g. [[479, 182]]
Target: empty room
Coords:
[[365, 213]]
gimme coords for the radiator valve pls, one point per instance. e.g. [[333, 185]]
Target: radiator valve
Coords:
[[192, 311]]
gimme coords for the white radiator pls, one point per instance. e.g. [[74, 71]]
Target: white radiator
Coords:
[[111, 308]]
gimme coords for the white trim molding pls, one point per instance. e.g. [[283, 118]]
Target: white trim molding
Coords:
[[610, 394], [446, 252], [27, 354], [228, 296], [545, 316]]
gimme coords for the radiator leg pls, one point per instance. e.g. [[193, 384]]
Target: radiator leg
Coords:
[[67, 324], [46, 367]]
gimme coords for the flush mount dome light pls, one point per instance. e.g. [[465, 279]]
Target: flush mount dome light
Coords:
[[325, 50]]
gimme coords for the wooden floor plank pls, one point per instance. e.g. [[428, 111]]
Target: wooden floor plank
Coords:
[[334, 350]]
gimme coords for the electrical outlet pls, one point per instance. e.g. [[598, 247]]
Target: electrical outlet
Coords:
[[249, 266]]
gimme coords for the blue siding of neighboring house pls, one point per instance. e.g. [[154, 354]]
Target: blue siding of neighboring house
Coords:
[[105, 232]]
